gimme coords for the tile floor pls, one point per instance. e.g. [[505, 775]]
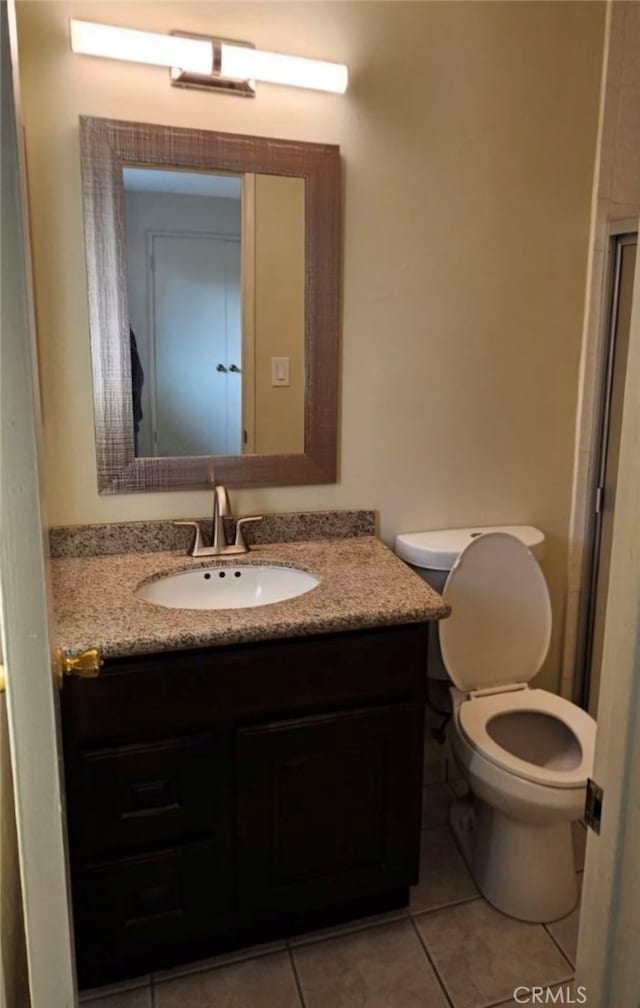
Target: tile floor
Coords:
[[448, 949]]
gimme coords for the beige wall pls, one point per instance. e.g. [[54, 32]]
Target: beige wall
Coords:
[[468, 139], [279, 312]]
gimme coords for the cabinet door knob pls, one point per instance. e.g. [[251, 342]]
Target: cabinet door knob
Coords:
[[234, 368], [221, 367]]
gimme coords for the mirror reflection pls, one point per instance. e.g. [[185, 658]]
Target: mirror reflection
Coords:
[[216, 294]]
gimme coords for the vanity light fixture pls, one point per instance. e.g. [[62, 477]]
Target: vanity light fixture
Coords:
[[209, 63]]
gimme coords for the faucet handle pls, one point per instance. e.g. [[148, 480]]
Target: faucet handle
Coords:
[[239, 533], [197, 541]]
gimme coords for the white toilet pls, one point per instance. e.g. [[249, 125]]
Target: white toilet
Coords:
[[526, 753]]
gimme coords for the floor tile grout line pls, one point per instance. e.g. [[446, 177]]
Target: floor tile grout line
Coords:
[[296, 977], [95, 995], [208, 965], [493, 1004], [402, 913], [559, 947], [458, 847], [431, 962], [445, 906]]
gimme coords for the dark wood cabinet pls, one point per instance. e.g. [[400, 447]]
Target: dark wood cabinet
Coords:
[[149, 793], [149, 908], [326, 807], [222, 797]]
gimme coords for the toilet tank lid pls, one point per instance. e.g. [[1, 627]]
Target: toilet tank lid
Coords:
[[439, 549]]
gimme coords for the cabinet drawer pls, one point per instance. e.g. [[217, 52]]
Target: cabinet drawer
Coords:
[[142, 795], [273, 678], [137, 911]]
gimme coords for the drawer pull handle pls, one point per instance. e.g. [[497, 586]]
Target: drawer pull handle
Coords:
[[153, 794], [154, 901]]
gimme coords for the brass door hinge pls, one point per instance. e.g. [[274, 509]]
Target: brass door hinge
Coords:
[[85, 665]]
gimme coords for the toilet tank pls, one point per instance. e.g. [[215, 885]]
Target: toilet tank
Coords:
[[432, 555]]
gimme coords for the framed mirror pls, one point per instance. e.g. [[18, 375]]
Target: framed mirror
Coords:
[[213, 276]]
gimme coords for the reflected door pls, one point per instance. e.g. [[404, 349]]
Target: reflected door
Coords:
[[196, 336]]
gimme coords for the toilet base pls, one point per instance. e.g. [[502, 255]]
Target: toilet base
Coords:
[[524, 869]]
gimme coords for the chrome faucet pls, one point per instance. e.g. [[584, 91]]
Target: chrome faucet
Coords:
[[219, 547]]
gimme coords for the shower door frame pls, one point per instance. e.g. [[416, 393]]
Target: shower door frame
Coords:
[[607, 963], [620, 233]]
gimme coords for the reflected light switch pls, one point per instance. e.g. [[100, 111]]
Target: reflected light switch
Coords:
[[279, 371]]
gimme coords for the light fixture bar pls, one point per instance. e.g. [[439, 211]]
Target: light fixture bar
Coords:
[[213, 80], [240, 63], [194, 55], [212, 63]]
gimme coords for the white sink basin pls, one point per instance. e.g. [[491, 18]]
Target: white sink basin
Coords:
[[237, 587]]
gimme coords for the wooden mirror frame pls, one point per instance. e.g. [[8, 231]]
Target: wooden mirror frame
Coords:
[[106, 146]]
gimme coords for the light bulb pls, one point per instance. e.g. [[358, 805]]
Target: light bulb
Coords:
[[242, 63], [193, 55]]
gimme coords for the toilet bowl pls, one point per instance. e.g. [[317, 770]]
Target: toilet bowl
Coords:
[[526, 753], [519, 845]]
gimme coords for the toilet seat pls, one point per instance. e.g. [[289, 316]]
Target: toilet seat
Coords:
[[494, 642], [475, 715]]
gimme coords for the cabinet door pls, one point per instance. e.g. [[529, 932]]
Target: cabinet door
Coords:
[[328, 809]]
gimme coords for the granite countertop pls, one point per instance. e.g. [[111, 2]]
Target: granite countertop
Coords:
[[362, 585]]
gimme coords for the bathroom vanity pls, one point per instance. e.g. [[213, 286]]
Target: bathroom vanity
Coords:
[[243, 787]]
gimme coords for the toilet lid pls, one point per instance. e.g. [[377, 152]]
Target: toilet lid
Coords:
[[500, 624]]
